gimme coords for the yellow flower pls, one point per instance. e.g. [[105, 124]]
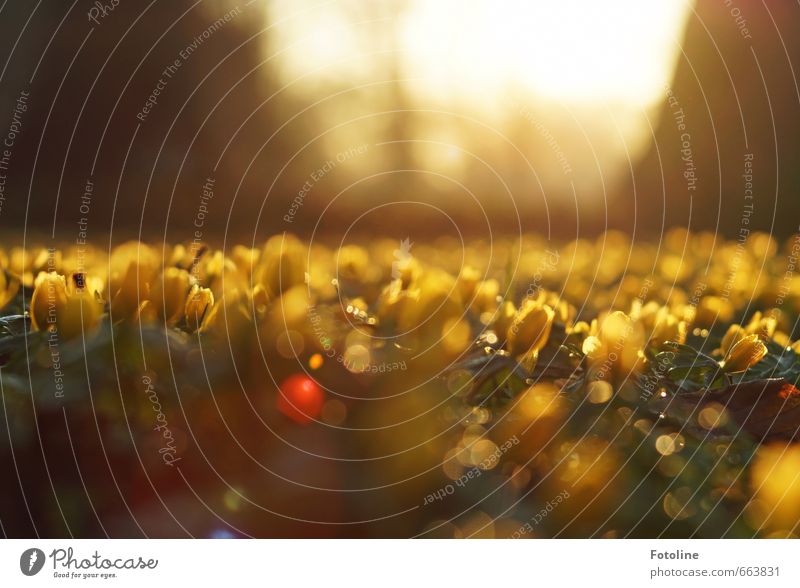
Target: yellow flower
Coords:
[[504, 318], [762, 325], [169, 293], [177, 257], [484, 296], [744, 354], [734, 334], [228, 318], [62, 306], [408, 271], [133, 268], [432, 301], [668, 328], [143, 257], [616, 330], [283, 264], [352, 263], [711, 310], [467, 279], [220, 273], [581, 329], [134, 288], [9, 286], [26, 265], [531, 327], [50, 293], [564, 311], [245, 259], [616, 344], [198, 303]]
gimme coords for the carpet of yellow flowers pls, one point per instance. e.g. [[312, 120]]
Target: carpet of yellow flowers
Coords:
[[513, 388]]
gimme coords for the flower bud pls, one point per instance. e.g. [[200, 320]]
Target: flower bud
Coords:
[[49, 294], [245, 259], [228, 319], [68, 308], [744, 354], [432, 304], [505, 318], [134, 288], [198, 303], [133, 253], [283, 264], [484, 296], [616, 330], [734, 334], [352, 263], [762, 325], [9, 286], [667, 328], [467, 280], [169, 293], [531, 328]]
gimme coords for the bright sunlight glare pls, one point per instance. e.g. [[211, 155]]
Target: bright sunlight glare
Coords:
[[621, 51], [615, 51]]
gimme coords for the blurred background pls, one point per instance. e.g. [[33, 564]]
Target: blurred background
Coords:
[[560, 117], [382, 122]]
